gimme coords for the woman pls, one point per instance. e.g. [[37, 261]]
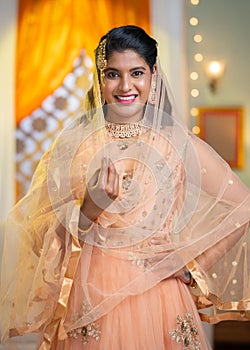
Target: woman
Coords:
[[126, 230]]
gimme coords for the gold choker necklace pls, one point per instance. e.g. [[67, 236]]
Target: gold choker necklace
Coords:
[[125, 130]]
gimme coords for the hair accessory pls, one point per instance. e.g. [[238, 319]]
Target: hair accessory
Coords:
[[102, 99], [101, 61]]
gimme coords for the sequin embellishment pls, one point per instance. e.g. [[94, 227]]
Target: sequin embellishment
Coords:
[[90, 330], [186, 333]]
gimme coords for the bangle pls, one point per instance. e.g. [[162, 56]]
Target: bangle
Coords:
[[87, 229], [192, 283], [188, 276]]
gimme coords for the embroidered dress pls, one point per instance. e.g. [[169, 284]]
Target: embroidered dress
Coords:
[[142, 320], [145, 322], [110, 287]]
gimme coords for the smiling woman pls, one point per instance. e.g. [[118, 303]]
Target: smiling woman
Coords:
[[124, 220], [127, 82], [126, 75]]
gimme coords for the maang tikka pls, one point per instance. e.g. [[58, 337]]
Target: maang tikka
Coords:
[[101, 61]]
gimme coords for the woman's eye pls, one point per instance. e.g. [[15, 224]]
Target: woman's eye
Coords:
[[137, 73], [112, 75]]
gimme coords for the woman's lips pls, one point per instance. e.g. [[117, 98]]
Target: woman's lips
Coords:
[[126, 99]]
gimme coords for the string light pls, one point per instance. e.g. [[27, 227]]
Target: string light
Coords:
[[198, 57], [194, 112], [194, 75], [195, 92], [197, 38], [195, 2], [193, 21], [196, 130]]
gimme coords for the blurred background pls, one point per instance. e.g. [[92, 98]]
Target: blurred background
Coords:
[[46, 65]]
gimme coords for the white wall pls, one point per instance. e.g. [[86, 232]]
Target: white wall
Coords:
[[8, 10], [168, 28], [7, 77]]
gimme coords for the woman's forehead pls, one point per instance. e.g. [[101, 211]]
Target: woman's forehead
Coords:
[[126, 58]]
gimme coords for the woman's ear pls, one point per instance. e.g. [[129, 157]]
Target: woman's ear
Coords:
[[154, 69]]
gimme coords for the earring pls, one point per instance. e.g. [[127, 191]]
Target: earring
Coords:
[[102, 100], [152, 94]]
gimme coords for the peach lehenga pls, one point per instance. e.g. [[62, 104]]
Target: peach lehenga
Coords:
[[112, 287]]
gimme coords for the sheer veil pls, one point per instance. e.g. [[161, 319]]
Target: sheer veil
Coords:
[[174, 188]]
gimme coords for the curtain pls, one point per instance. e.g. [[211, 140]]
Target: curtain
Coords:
[[51, 34]]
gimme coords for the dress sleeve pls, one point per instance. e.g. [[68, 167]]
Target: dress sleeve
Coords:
[[222, 270]]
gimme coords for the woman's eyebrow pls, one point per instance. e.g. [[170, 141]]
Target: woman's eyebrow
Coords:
[[111, 68], [137, 68], [132, 69]]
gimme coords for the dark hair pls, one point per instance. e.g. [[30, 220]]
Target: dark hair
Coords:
[[130, 37]]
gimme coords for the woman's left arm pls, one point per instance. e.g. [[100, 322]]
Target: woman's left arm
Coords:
[[220, 182]]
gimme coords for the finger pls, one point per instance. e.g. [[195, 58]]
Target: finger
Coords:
[[111, 171], [111, 178], [103, 176], [183, 275], [187, 276], [116, 186]]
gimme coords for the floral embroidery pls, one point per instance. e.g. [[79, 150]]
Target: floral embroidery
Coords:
[[90, 330], [136, 261], [186, 333]]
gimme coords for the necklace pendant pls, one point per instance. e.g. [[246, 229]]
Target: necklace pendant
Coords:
[[122, 145]]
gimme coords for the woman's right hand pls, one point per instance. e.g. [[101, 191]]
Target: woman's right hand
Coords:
[[102, 190]]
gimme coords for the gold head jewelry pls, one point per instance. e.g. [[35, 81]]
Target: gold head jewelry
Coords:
[[101, 61]]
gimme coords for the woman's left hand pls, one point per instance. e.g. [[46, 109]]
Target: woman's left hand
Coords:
[[183, 274]]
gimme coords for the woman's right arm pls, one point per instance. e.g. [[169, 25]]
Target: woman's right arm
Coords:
[[102, 190]]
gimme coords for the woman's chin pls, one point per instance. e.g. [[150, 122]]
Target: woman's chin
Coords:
[[120, 112]]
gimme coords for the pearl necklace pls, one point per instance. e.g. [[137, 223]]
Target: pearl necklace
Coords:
[[125, 130]]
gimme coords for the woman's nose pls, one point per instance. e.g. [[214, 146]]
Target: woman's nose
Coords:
[[125, 84]]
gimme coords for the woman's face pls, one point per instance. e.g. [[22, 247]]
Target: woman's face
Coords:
[[126, 86]]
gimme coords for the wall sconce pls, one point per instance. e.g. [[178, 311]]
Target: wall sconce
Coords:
[[214, 71]]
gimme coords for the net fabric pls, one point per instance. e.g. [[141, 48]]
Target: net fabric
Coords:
[[173, 188]]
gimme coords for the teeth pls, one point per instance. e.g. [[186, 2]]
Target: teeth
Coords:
[[126, 98]]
